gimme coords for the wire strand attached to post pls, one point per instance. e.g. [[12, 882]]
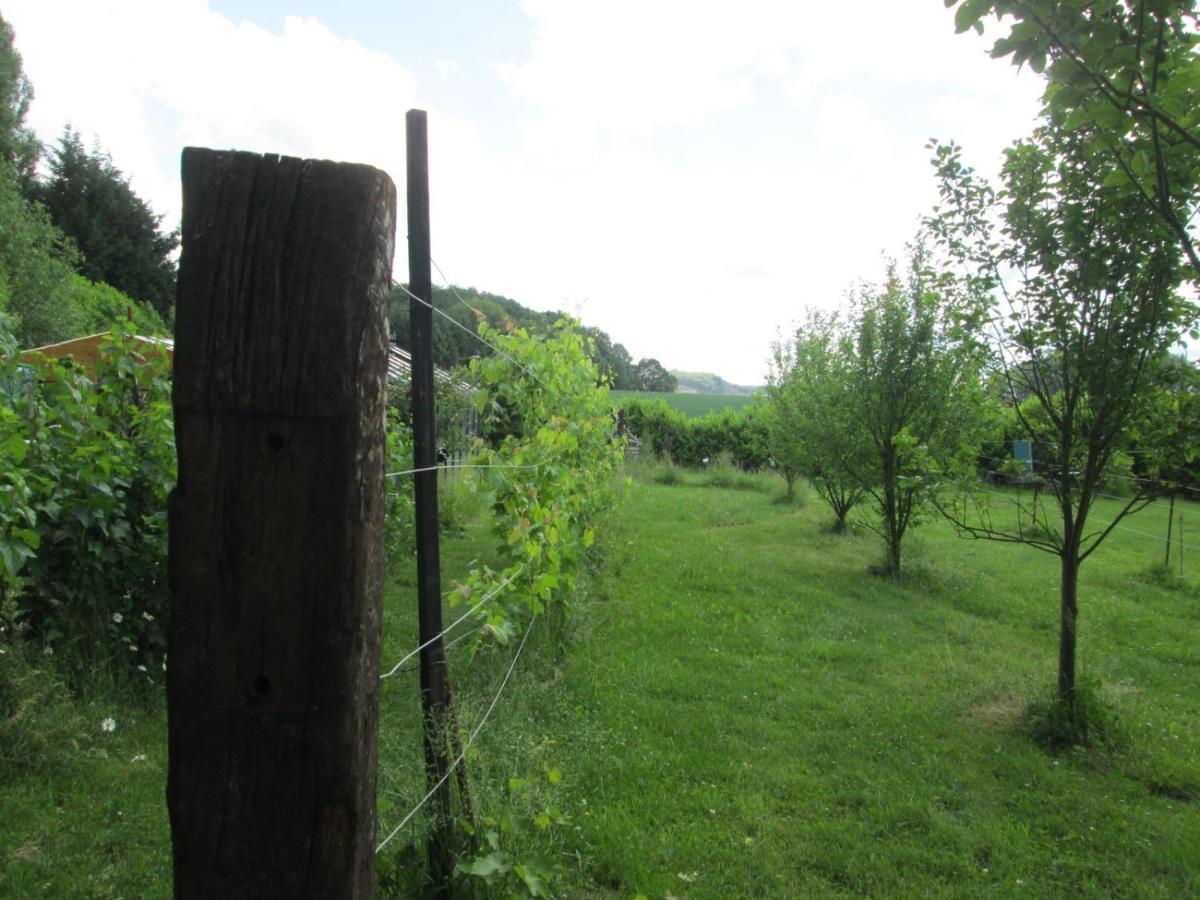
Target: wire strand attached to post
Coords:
[[507, 581], [470, 740]]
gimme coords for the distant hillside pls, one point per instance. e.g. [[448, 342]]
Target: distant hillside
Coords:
[[708, 383]]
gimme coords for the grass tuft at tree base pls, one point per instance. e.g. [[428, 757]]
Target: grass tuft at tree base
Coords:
[[1084, 721]]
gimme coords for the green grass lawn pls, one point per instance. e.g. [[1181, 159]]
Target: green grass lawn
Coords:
[[692, 405], [737, 709], [766, 719]]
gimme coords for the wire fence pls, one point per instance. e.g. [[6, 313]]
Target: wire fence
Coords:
[[466, 746], [1105, 523], [457, 324], [1142, 504], [470, 612], [400, 665]]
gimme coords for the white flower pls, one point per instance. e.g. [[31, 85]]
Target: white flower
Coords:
[[140, 758], [109, 725], [147, 617], [118, 618], [141, 668]]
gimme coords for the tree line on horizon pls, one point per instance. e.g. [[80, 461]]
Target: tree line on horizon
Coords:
[[455, 342]]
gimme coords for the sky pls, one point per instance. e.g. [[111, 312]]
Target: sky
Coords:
[[689, 176]]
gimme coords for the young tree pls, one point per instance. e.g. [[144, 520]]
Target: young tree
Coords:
[[119, 236], [810, 430], [913, 393], [1085, 288], [1123, 75]]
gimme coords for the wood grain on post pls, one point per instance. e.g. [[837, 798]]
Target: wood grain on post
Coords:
[[276, 549]]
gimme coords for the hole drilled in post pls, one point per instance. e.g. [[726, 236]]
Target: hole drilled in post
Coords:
[[275, 441], [262, 686]]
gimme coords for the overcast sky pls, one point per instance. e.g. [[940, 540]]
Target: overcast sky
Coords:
[[688, 176]]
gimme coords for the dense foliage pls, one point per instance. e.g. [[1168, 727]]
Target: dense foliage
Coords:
[[650, 375], [549, 477], [36, 264], [120, 239], [91, 207], [692, 441], [83, 507], [809, 413], [19, 148], [1123, 78]]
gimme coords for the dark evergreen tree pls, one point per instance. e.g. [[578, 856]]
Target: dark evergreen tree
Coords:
[[120, 238]]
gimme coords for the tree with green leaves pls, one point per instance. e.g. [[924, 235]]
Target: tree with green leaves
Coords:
[[120, 239], [1083, 284], [650, 375], [1166, 435], [35, 258], [810, 429], [1124, 77], [913, 395], [612, 360], [36, 265], [19, 147]]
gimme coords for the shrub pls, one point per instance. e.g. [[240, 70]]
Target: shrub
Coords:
[[551, 478], [689, 442], [84, 531]]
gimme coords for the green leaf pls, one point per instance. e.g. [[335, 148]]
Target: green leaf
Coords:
[[1115, 178], [969, 14], [487, 867]]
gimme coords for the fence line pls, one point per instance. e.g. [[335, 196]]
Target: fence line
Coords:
[[460, 325], [1135, 479], [454, 290], [441, 467], [1152, 503], [470, 740], [1154, 537], [507, 581]]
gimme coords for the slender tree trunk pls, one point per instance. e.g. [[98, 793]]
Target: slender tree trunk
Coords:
[[1067, 632], [891, 512], [790, 477]]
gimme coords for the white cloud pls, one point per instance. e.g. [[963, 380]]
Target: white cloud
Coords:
[[693, 173], [148, 77]]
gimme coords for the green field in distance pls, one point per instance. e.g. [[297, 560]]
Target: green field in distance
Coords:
[[693, 405]]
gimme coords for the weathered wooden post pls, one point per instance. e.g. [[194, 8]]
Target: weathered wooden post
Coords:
[[276, 551]]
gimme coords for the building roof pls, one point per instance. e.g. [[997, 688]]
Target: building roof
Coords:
[[86, 350]]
